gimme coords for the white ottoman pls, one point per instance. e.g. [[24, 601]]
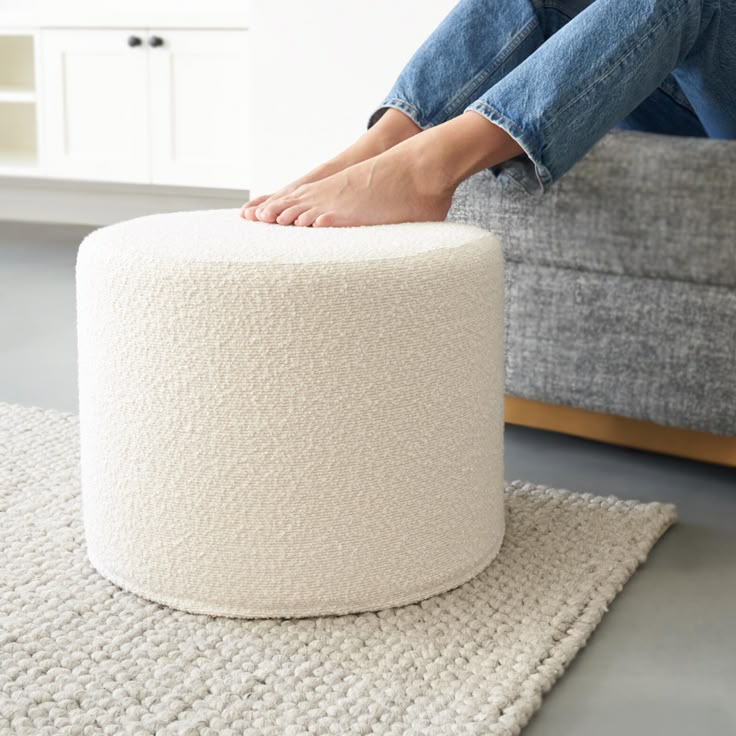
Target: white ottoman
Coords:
[[278, 421]]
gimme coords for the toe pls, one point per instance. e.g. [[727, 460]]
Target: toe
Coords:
[[290, 214], [250, 213], [269, 211], [307, 218], [253, 203], [326, 219]]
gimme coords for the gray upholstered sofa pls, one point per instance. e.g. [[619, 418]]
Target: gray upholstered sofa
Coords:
[[621, 280]]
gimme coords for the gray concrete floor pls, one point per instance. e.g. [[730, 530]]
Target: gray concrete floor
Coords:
[[662, 661]]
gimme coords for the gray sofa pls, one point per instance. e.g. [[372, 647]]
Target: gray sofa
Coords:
[[621, 280]]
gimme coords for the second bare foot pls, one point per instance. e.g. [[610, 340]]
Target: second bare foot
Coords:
[[413, 181], [392, 128], [394, 186]]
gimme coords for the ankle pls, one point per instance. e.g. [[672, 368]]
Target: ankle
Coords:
[[422, 158], [392, 128], [475, 143], [449, 153]]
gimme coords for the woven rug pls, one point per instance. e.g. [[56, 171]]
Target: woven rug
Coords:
[[78, 655]]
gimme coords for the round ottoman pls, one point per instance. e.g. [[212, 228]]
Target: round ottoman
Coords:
[[278, 421]]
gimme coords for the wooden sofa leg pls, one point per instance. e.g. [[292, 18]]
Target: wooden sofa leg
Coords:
[[624, 431]]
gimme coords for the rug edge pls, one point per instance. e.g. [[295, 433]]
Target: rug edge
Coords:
[[587, 622]]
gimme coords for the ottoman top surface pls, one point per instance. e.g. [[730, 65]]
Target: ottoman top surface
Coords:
[[221, 235]]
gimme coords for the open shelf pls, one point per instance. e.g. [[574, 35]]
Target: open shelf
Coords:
[[18, 147], [18, 133], [17, 70]]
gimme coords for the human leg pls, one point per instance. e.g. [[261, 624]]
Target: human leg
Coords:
[[591, 74], [566, 95], [411, 182], [474, 45], [665, 114], [393, 129]]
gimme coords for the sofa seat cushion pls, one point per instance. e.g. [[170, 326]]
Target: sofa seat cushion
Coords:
[[638, 204]]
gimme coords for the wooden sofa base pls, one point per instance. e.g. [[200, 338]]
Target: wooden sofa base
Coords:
[[624, 431]]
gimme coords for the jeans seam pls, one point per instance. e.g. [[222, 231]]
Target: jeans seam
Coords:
[[561, 10], [675, 98], [544, 177], [615, 67], [521, 35]]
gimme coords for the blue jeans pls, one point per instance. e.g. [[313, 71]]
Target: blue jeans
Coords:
[[556, 75]]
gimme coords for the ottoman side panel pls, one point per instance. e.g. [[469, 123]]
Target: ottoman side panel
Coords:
[[256, 434]]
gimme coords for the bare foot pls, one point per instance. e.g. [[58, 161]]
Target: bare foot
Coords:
[[412, 181], [388, 188], [392, 127]]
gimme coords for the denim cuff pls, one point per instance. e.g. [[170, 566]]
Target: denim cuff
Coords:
[[405, 107], [527, 170]]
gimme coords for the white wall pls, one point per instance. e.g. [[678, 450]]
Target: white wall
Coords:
[[318, 69], [124, 13]]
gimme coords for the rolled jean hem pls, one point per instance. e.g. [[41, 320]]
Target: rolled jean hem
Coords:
[[533, 184], [406, 107]]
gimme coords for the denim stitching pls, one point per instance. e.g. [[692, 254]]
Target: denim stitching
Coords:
[[421, 120], [561, 10], [631, 51], [543, 174], [677, 96], [462, 96]]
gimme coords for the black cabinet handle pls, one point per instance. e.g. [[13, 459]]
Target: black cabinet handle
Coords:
[[155, 41], [134, 41]]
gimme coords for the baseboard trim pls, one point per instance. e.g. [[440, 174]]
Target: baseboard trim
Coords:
[[623, 431]]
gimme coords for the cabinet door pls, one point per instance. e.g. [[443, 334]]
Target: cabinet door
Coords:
[[95, 119], [198, 106]]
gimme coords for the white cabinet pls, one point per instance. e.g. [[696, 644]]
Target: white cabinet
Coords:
[[96, 116], [144, 105], [198, 107]]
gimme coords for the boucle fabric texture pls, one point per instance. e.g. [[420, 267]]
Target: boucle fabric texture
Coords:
[[80, 655], [637, 204], [662, 351], [282, 421], [621, 279]]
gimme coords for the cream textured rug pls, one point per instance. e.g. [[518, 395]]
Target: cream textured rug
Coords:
[[78, 655]]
